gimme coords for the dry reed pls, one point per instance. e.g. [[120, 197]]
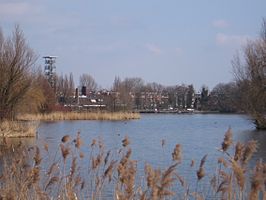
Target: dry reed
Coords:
[[26, 174], [55, 116], [18, 128]]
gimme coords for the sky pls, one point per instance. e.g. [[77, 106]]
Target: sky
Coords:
[[170, 42]]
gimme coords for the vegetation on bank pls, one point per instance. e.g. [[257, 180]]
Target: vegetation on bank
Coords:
[[25, 89], [18, 129], [26, 173], [250, 74], [80, 116]]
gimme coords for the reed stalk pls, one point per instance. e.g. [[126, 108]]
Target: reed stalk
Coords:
[[26, 174]]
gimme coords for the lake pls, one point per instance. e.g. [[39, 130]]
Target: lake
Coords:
[[199, 134]]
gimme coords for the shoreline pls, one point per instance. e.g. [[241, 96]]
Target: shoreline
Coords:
[[26, 125], [58, 116], [18, 129], [186, 112]]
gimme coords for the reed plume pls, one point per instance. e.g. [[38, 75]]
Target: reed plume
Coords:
[[65, 138], [177, 153], [201, 171], [228, 140], [239, 173], [125, 141], [78, 142], [65, 151], [238, 151], [258, 180], [24, 174], [249, 150], [37, 157]]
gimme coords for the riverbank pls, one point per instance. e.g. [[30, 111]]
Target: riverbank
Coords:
[[26, 124], [56, 116], [16, 129], [178, 112]]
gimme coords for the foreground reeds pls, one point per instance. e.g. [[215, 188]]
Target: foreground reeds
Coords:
[[101, 174], [81, 116]]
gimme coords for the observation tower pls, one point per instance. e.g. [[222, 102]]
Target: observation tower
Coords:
[[50, 69]]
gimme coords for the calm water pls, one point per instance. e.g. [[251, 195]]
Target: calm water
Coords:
[[198, 134]]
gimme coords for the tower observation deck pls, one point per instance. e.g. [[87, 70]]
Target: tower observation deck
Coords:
[[50, 69]]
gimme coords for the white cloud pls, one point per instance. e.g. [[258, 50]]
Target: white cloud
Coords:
[[223, 39], [220, 23], [154, 49]]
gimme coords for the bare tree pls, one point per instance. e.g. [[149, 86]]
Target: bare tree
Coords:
[[224, 97], [16, 62], [88, 81], [65, 87], [250, 75], [71, 84]]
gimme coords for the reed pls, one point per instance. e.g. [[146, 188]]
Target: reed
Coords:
[[29, 173], [80, 116], [18, 128]]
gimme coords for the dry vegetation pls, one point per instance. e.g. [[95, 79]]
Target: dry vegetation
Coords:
[[67, 174], [81, 116], [18, 129], [27, 124]]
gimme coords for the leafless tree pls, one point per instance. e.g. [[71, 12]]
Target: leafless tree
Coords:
[[250, 75], [224, 97], [65, 87], [17, 60], [88, 81], [126, 91]]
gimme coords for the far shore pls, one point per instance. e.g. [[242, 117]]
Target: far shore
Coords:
[[18, 129], [26, 124], [56, 116]]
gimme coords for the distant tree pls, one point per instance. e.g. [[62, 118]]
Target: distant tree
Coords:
[[224, 98], [49, 95], [88, 81], [204, 98], [181, 95], [116, 84], [250, 76], [17, 61], [65, 88], [170, 93], [40, 97], [126, 91], [190, 96], [136, 86], [71, 84]]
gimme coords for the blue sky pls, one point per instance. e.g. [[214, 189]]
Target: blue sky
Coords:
[[170, 42]]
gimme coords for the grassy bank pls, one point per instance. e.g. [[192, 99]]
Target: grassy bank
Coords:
[[80, 116], [70, 174], [18, 128]]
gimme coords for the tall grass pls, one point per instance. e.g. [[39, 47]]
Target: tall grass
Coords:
[[81, 116], [18, 128], [113, 174]]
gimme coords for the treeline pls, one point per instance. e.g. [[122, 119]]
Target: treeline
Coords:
[[24, 87]]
